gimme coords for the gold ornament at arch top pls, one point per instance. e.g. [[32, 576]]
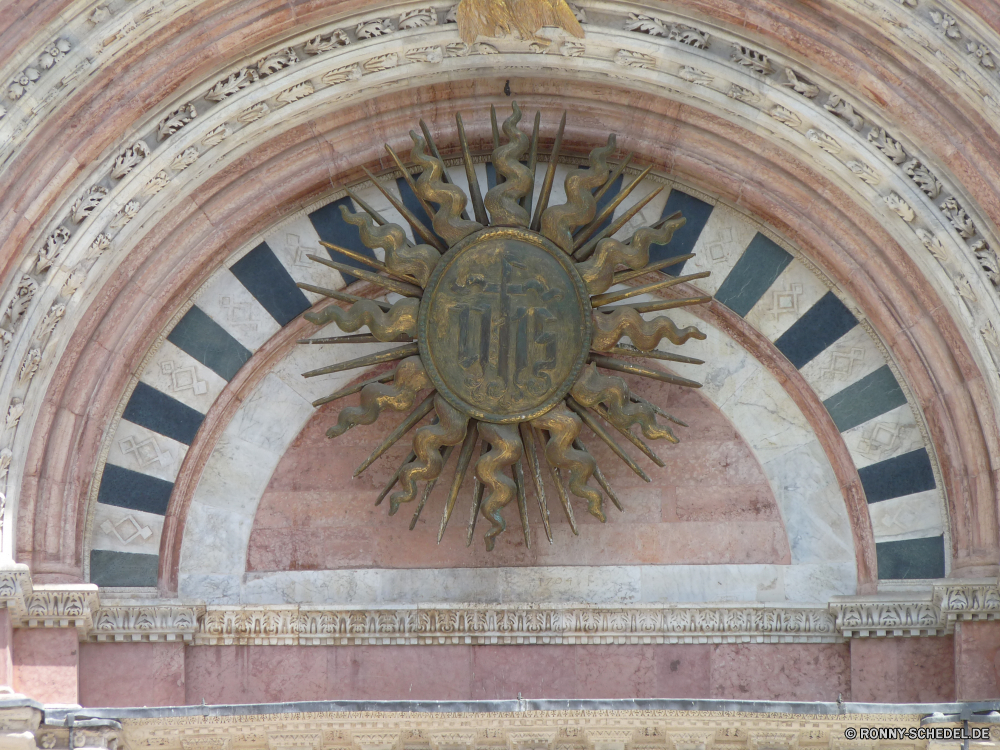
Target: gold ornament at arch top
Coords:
[[508, 333]]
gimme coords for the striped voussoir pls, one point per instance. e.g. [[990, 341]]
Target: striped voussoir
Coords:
[[240, 308], [250, 299]]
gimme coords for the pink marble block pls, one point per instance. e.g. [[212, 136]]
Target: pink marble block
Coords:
[[710, 504], [903, 670], [977, 661], [147, 674], [46, 664]]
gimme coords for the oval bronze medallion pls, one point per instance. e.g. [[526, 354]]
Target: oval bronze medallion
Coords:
[[505, 325]]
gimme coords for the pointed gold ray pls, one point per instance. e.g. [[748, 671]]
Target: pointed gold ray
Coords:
[[522, 502], [584, 234], [637, 441], [623, 276], [647, 372], [599, 476], [353, 338], [479, 208], [352, 389], [587, 250], [340, 296], [464, 457], [370, 262], [599, 430], [418, 226], [379, 218], [394, 478], [399, 287], [631, 351], [477, 499], [388, 355], [614, 176], [671, 304], [437, 155], [500, 179], [600, 300], [557, 480], [408, 178], [425, 408], [550, 175], [528, 439], [532, 162], [658, 410], [446, 454]]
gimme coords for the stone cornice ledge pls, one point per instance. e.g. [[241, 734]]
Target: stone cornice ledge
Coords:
[[931, 611]]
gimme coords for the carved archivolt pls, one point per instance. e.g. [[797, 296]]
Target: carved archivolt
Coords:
[[80, 241]]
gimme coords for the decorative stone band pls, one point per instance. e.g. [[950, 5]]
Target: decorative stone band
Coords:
[[933, 612]]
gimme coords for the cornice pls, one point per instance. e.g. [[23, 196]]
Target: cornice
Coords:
[[895, 614]]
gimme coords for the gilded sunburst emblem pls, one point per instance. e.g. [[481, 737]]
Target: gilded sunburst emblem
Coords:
[[507, 320]]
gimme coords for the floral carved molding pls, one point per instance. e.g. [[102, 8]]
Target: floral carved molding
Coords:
[[932, 612]]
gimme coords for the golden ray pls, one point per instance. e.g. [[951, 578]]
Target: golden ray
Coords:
[[437, 155], [503, 201], [563, 428], [445, 455], [599, 430], [393, 479], [354, 338], [550, 175], [386, 355], [505, 450], [614, 176], [633, 438], [631, 351], [614, 364], [362, 258], [601, 479], [657, 409], [532, 163], [522, 502], [622, 276], [401, 320], [558, 222], [379, 218], [587, 250], [477, 498], [611, 327], [478, 206], [425, 408], [418, 226], [408, 179], [672, 304], [399, 287], [530, 453], [593, 388], [584, 234], [598, 271], [377, 397], [340, 296], [401, 257], [560, 490], [447, 220], [450, 430], [464, 457], [352, 389], [600, 300]]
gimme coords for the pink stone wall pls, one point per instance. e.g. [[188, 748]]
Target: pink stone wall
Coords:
[[710, 504], [903, 670], [46, 662], [977, 660], [148, 674]]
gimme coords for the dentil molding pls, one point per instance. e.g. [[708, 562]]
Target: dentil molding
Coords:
[[912, 613]]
